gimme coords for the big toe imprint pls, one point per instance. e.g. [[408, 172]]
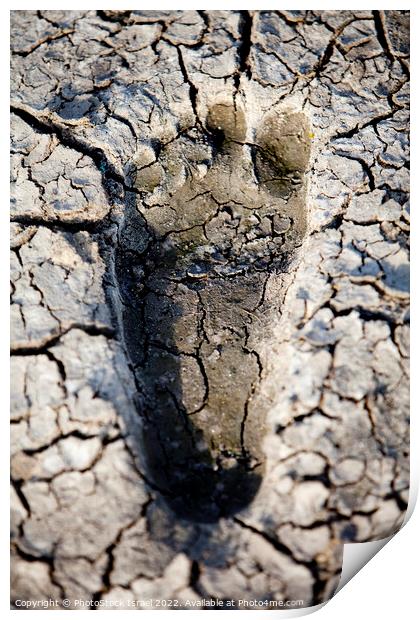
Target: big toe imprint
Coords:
[[219, 217]]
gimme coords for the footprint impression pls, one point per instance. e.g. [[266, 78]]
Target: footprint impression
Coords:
[[218, 217]]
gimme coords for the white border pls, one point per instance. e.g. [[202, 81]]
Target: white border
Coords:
[[387, 586]]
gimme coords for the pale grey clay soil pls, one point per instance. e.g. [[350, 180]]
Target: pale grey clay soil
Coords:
[[209, 300]]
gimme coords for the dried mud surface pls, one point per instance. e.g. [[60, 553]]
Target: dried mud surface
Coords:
[[210, 290]]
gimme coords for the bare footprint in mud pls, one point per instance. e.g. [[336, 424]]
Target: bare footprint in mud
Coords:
[[218, 217]]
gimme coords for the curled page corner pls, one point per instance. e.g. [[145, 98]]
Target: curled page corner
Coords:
[[295, 613], [357, 555]]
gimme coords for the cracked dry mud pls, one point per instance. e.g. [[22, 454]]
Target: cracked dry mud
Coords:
[[194, 307], [209, 300]]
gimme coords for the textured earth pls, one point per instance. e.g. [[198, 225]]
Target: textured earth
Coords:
[[210, 287]]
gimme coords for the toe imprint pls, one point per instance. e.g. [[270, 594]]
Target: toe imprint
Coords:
[[220, 215]]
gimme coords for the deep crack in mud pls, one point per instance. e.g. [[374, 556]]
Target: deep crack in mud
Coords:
[[192, 266]]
